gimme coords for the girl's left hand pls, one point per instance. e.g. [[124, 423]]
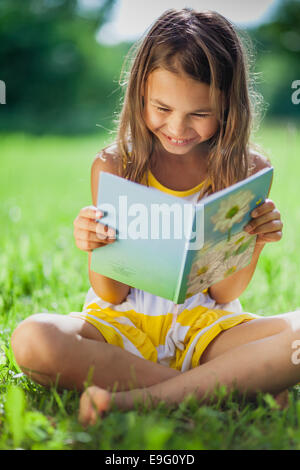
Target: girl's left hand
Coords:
[[266, 223]]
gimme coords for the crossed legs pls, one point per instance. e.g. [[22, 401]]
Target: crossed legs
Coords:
[[254, 356], [265, 362]]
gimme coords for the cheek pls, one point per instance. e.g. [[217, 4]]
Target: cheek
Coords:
[[208, 127], [153, 121]]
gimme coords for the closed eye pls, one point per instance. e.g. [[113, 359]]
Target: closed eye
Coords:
[[162, 110], [165, 110]]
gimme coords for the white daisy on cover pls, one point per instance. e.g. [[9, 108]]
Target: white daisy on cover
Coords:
[[232, 210], [203, 269], [237, 244], [215, 262], [238, 253]]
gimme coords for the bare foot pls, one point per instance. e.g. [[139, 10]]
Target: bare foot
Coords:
[[282, 399], [93, 402]]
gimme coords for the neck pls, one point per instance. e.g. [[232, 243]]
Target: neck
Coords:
[[163, 159]]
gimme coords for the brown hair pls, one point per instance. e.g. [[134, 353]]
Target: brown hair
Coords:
[[206, 47]]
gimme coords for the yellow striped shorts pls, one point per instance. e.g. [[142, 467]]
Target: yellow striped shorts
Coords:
[[176, 339]]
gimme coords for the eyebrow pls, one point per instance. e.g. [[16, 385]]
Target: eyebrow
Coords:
[[160, 103]]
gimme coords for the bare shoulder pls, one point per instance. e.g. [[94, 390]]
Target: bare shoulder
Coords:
[[107, 160], [258, 162]]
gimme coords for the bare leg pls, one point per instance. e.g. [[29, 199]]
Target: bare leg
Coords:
[[63, 350], [260, 365]]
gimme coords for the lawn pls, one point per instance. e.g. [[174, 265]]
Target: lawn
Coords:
[[44, 181]]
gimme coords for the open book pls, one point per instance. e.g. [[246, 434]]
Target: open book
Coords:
[[173, 248]]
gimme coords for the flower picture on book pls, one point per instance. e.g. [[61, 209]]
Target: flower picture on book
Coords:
[[216, 261], [232, 211]]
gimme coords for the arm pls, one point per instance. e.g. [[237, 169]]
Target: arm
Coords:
[[267, 225], [108, 289], [232, 287]]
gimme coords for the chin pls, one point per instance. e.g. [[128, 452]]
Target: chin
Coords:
[[177, 150]]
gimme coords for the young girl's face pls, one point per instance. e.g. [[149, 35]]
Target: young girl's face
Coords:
[[178, 112]]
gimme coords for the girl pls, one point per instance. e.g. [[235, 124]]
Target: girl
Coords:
[[184, 129]]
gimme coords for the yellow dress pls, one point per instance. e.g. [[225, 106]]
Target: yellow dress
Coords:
[[155, 328]]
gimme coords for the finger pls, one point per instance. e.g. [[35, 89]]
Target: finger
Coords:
[[84, 223], [88, 246], [92, 237], [101, 231], [265, 207], [273, 226], [269, 237], [91, 212], [105, 232], [260, 220], [86, 236]]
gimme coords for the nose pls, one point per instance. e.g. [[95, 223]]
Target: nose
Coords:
[[177, 126]]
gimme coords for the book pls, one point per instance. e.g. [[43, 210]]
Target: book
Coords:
[[171, 247]]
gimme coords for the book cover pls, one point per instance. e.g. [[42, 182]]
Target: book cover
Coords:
[[227, 248], [170, 247]]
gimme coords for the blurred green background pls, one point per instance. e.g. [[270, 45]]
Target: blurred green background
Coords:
[[60, 80]]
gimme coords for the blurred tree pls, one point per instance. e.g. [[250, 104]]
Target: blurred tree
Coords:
[[60, 80], [278, 58], [55, 77]]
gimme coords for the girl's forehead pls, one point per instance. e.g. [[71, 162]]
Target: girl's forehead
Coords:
[[163, 83], [164, 76]]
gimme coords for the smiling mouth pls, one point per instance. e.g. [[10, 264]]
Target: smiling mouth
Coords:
[[178, 141]]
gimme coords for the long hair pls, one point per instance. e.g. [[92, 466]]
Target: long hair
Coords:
[[206, 47]]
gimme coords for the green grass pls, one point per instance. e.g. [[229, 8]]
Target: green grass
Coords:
[[44, 181]]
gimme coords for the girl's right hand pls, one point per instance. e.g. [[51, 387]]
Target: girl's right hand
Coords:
[[90, 234]]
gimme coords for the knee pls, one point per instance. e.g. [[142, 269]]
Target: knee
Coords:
[[31, 343], [291, 330]]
